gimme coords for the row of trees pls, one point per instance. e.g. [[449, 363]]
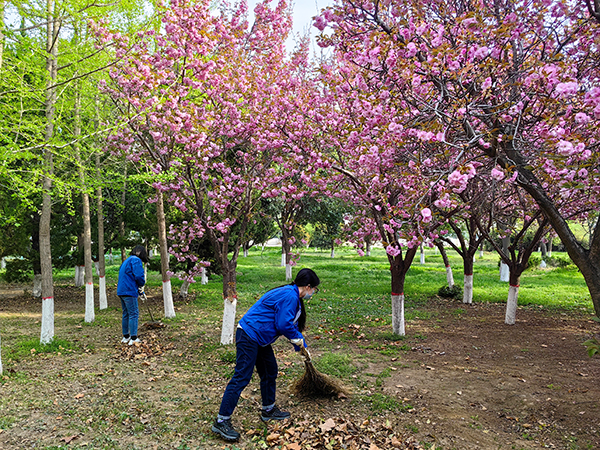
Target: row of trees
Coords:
[[474, 119]]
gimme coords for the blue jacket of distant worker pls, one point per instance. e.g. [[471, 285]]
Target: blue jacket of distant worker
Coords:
[[275, 314], [131, 277]]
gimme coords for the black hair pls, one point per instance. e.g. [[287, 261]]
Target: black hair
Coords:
[[305, 277], [140, 252]]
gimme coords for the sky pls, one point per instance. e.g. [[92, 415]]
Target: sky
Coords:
[[304, 10]]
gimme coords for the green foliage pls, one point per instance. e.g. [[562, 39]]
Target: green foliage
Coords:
[[558, 261], [18, 270], [450, 292], [534, 261], [593, 346]]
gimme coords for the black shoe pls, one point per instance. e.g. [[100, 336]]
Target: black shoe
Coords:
[[274, 414], [226, 430]]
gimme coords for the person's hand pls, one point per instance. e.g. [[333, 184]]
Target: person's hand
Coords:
[[298, 343], [141, 290]]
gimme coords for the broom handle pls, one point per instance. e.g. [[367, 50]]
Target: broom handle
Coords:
[[304, 353], [146, 303]]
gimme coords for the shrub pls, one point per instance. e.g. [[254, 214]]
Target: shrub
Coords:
[[18, 271], [557, 261], [450, 292], [534, 261]]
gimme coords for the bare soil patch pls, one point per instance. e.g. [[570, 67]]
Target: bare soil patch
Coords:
[[461, 379]]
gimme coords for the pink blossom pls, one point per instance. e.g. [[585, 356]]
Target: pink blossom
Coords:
[[497, 174], [393, 251], [566, 89], [426, 215]]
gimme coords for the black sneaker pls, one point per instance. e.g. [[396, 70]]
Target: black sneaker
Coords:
[[274, 414], [226, 430]]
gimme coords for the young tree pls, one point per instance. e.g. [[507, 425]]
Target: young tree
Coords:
[[205, 101]]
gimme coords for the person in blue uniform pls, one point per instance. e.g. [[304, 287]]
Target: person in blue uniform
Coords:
[[131, 283], [279, 312]]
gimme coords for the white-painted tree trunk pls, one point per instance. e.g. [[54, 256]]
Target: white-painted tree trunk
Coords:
[[168, 299], [468, 289], [422, 255], [184, 289], [204, 276], [227, 331], [111, 258], [549, 249], [333, 253], [47, 333], [481, 253], [511, 305], [102, 293], [37, 285], [97, 267], [288, 272], [449, 277], [3, 263], [283, 259], [398, 314], [245, 252], [504, 272], [89, 303]]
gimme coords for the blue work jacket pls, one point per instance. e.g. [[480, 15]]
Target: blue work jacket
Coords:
[[275, 314], [131, 277]]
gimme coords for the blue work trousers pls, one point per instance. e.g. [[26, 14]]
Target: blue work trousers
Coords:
[[131, 313], [249, 355]]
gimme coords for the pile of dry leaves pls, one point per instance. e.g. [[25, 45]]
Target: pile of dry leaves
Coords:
[[151, 346], [333, 434]]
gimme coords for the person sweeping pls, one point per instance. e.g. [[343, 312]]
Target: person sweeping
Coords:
[[279, 312]]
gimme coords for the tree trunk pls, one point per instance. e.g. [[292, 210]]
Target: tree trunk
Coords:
[[47, 332], [468, 289], [35, 252], [544, 255], [204, 276], [184, 289], [230, 301], [449, 274], [422, 261], [122, 222], [87, 226], [513, 298], [504, 270], [398, 268], [468, 274], [164, 258]]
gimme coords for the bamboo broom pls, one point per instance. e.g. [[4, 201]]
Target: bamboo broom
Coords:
[[315, 384]]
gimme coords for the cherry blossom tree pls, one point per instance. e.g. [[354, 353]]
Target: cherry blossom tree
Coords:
[[206, 101], [512, 81]]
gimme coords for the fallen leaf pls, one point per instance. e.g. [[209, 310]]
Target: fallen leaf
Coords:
[[69, 439], [273, 437], [79, 396], [293, 446], [327, 426]]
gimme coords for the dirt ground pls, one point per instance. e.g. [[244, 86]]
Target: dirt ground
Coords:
[[461, 379]]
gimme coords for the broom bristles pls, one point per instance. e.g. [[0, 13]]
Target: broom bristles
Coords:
[[316, 384]]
